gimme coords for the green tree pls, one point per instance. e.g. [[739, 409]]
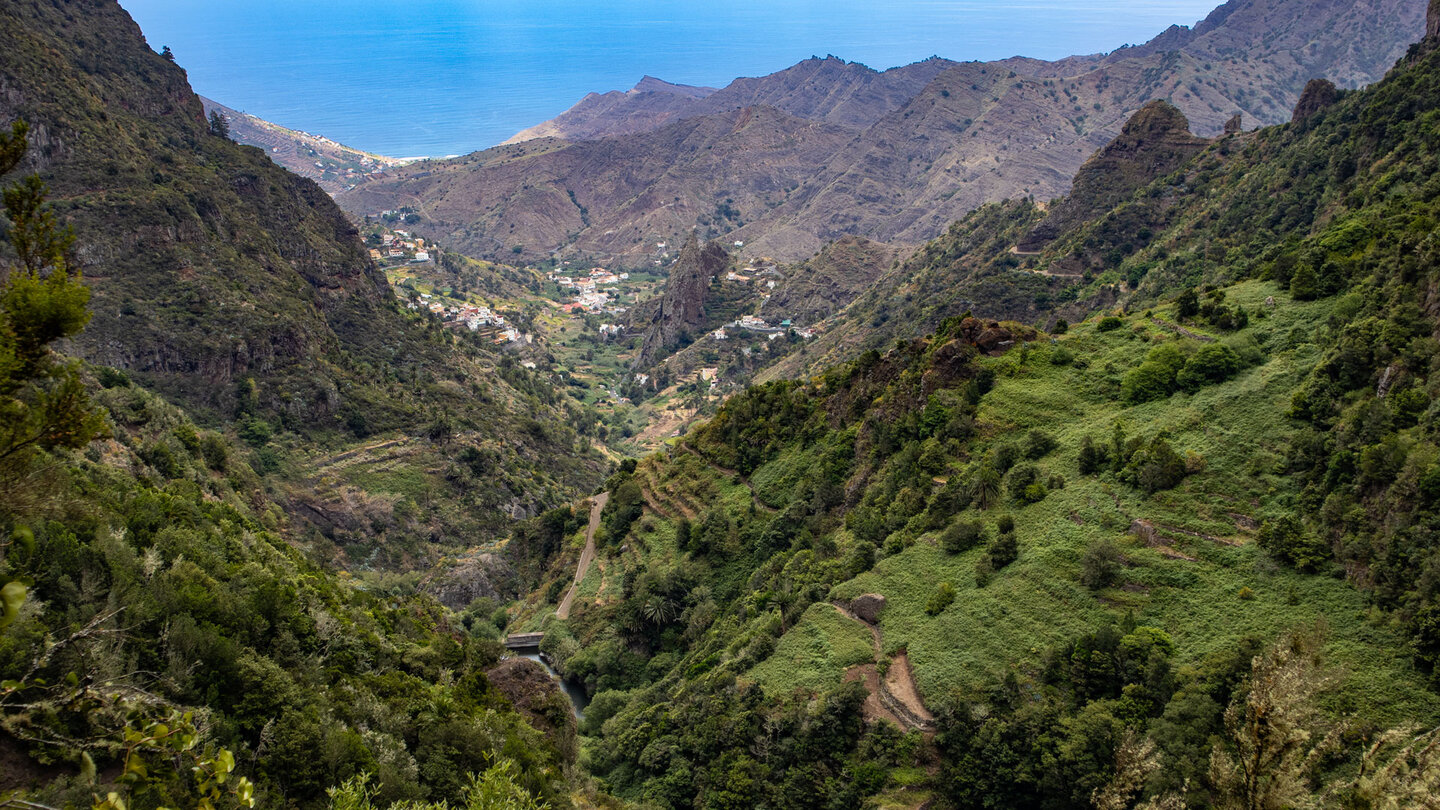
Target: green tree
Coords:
[[43, 404], [219, 126]]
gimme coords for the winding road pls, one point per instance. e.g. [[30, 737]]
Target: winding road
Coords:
[[587, 556]]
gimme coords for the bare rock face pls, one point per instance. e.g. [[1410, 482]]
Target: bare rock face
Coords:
[[868, 606], [1154, 142], [1318, 94], [1432, 20], [482, 576], [681, 309], [1145, 531]]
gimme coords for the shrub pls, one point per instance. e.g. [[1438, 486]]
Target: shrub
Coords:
[[1154, 378], [1214, 363], [1005, 524], [1187, 304], [1020, 479], [1061, 327], [1093, 457], [962, 535], [1100, 567], [984, 571], [214, 451], [1062, 356], [1109, 323], [1286, 539], [941, 599], [1039, 444], [1155, 466], [1003, 551]]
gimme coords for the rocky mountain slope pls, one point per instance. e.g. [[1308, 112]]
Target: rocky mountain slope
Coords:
[[651, 103], [334, 166], [243, 293], [846, 94], [970, 133]]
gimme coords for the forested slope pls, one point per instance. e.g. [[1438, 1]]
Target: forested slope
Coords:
[[1087, 561]]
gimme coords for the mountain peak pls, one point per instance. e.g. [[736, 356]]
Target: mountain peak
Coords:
[[1154, 142], [650, 84]]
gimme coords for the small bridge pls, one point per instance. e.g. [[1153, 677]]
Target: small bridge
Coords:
[[523, 641]]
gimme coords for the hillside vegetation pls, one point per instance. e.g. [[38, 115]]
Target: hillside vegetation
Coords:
[[1000, 567], [242, 293]]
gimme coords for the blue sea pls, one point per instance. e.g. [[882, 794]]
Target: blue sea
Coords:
[[443, 77]]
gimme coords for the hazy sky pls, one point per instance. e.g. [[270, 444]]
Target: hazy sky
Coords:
[[447, 76]]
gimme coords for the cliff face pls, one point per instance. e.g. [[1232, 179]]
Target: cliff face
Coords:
[[1154, 142], [206, 261], [680, 311]]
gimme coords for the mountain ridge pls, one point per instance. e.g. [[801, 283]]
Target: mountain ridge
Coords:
[[973, 133]]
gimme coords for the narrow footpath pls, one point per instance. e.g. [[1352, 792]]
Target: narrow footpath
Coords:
[[587, 556]]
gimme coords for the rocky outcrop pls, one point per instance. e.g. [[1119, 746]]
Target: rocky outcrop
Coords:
[[868, 607], [1318, 94], [487, 576], [206, 261], [1154, 142], [679, 316], [1432, 20]]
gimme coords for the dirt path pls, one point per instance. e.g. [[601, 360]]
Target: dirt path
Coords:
[[597, 504], [894, 697], [320, 464]]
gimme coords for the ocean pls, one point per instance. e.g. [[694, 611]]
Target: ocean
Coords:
[[444, 77]]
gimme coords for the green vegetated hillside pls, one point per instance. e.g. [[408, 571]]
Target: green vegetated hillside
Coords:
[[1180, 553], [242, 292], [163, 639]]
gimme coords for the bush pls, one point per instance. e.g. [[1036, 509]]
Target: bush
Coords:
[[1061, 327], [1004, 550], [1020, 479], [962, 535], [1093, 457], [1100, 567], [1155, 378], [214, 451], [1109, 323], [1214, 363], [1062, 356], [254, 432], [1005, 524], [984, 571], [1039, 444], [1155, 466], [941, 599], [1286, 539]]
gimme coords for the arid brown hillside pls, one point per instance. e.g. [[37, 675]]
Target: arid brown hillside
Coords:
[[832, 90], [975, 132], [615, 197], [334, 166], [649, 105]]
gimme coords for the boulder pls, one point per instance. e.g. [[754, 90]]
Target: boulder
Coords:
[[868, 606]]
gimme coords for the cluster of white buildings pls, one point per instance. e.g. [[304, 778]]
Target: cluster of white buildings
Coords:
[[755, 323], [400, 245], [473, 317], [589, 297]]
